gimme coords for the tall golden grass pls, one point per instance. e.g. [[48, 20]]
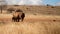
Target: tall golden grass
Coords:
[[32, 24]]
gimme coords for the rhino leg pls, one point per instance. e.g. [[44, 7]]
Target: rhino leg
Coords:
[[18, 19], [22, 16], [14, 19]]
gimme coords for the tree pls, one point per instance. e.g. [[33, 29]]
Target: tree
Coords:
[[48, 5], [3, 5], [16, 5]]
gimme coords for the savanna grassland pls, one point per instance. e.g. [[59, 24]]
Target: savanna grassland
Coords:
[[38, 20]]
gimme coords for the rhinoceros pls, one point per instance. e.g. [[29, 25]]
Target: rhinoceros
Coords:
[[18, 15]]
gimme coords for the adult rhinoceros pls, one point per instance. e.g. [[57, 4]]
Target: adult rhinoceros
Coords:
[[18, 15]]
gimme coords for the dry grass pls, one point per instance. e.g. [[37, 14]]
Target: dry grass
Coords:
[[38, 20], [45, 10], [32, 24]]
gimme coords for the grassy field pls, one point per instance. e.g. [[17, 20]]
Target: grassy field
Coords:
[[38, 20], [32, 24], [44, 10]]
